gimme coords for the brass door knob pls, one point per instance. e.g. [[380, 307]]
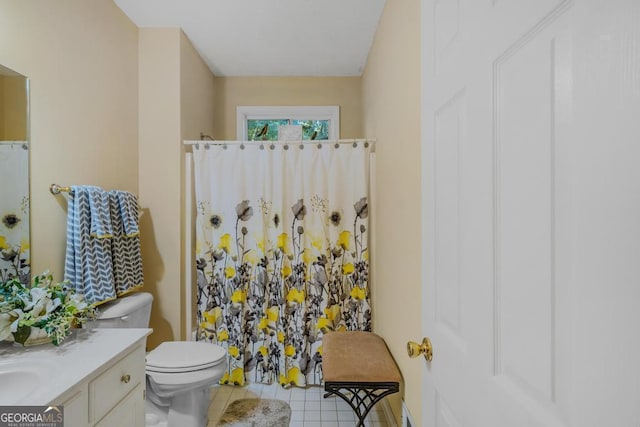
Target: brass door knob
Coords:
[[414, 349], [125, 378]]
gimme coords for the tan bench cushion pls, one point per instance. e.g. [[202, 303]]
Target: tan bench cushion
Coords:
[[355, 356]]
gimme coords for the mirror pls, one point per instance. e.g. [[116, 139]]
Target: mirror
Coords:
[[15, 252]]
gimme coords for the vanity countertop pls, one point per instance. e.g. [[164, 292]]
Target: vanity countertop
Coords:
[[60, 368]]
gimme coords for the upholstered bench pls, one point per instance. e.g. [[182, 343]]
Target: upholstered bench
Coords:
[[358, 367]]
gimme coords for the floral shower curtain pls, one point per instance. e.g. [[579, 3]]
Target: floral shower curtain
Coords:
[[282, 254], [15, 256]]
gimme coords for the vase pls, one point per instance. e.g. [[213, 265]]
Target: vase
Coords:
[[37, 336]]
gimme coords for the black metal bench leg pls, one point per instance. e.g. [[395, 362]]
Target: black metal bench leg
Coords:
[[363, 396]]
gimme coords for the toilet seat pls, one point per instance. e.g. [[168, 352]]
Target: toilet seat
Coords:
[[184, 356]]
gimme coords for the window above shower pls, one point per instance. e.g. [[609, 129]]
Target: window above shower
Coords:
[[262, 123]]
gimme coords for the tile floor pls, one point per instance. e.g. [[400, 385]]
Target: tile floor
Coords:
[[308, 407]]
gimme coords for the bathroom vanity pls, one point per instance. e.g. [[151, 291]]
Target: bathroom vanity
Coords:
[[98, 375]]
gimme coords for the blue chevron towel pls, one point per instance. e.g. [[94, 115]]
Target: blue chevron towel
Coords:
[[88, 261], [125, 249]]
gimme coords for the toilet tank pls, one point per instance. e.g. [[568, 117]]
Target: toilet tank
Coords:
[[129, 311]]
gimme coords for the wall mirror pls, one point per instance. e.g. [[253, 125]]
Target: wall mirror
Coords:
[[15, 252]]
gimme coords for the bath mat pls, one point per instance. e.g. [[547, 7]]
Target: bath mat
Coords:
[[256, 413]]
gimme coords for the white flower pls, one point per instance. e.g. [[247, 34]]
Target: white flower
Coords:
[[49, 306]]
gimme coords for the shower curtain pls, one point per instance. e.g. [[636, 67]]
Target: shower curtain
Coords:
[[15, 253], [282, 254]]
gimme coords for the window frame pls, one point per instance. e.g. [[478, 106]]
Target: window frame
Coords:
[[328, 112]]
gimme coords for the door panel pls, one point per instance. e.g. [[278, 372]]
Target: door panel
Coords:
[[531, 212], [525, 215]]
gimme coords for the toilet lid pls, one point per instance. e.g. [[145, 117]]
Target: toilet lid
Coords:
[[184, 356]]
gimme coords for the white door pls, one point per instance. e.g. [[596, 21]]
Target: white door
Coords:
[[531, 204]]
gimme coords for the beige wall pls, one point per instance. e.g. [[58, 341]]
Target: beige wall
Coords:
[[391, 107], [159, 177], [13, 112], [176, 103], [287, 91], [81, 58], [197, 86]]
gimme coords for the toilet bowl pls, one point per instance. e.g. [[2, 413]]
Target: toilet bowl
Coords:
[[179, 374]]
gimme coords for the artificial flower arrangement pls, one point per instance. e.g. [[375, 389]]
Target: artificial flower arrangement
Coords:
[[48, 308]]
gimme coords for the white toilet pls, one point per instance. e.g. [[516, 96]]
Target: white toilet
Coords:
[[179, 373]]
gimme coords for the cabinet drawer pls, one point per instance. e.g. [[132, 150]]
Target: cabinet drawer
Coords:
[[115, 383]]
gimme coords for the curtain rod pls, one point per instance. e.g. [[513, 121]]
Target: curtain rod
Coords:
[[206, 143], [22, 143]]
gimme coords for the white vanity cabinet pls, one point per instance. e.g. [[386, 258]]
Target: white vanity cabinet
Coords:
[[111, 396], [98, 375], [122, 385]]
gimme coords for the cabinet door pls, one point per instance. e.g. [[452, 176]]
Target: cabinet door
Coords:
[[129, 412], [76, 411]]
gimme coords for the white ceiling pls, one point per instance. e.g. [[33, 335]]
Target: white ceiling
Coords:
[[269, 37]]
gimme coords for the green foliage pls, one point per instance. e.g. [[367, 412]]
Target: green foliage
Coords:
[[311, 129]]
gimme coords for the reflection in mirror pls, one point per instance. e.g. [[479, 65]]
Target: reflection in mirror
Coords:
[[15, 253]]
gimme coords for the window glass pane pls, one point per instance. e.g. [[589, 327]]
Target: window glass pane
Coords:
[[264, 130], [313, 129]]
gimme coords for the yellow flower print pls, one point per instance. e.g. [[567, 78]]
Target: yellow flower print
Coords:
[[213, 315], [341, 328], [280, 337], [273, 313], [347, 268], [263, 324], [225, 378], [358, 293], [332, 312], [307, 256], [286, 271], [251, 257], [239, 296], [344, 240], [223, 335], [319, 350], [296, 296], [24, 245], [3, 243], [324, 323], [237, 376], [283, 243], [290, 350], [317, 240], [283, 380], [294, 377], [233, 351], [260, 244], [229, 272], [263, 350], [225, 242], [365, 255]]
